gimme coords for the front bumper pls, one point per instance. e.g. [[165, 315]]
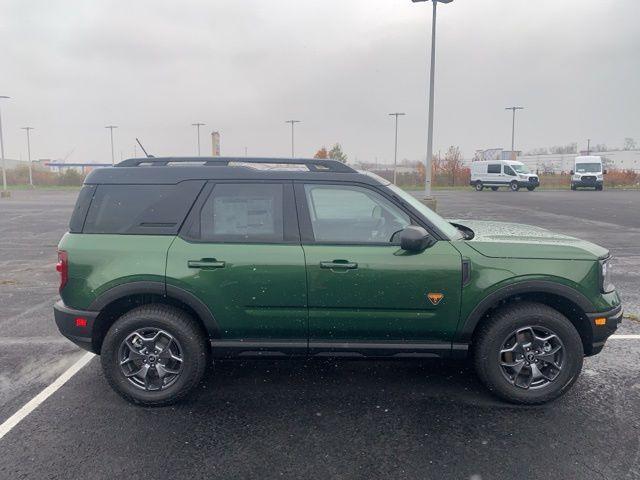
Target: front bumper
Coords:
[[601, 333], [587, 183], [76, 325], [531, 182]]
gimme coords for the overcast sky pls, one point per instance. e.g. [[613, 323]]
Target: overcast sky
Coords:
[[243, 67]]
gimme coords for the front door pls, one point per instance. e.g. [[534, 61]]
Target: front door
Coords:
[[362, 286], [241, 255]]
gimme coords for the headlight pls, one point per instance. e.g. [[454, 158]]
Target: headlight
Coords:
[[605, 276]]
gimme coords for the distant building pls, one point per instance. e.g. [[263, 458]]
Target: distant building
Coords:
[[496, 154], [558, 163], [215, 144]]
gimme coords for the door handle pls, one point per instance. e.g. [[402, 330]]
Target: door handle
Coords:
[[339, 264], [205, 263]]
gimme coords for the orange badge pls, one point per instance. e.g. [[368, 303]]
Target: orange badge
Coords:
[[435, 297]]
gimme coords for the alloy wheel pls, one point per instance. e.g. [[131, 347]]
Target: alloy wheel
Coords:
[[151, 359], [531, 357]]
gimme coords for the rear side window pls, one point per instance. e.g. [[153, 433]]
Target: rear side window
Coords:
[[493, 168], [82, 207], [141, 209], [243, 213]]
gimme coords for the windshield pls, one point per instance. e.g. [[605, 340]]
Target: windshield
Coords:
[[440, 223], [588, 167], [520, 168]]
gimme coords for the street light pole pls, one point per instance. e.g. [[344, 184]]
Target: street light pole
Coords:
[[427, 176], [292, 122], [111, 127], [588, 146], [4, 166], [198, 125], [27, 129], [513, 125], [395, 151]]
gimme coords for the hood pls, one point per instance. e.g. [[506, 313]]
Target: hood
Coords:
[[514, 240]]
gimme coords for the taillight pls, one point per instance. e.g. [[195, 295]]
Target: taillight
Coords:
[[62, 267]]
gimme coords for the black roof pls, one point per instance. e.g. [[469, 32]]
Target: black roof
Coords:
[[171, 170]]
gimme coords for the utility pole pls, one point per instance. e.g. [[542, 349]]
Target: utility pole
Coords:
[[292, 122], [111, 127], [198, 125], [427, 173], [395, 151], [5, 192], [27, 129], [513, 124], [588, 146]]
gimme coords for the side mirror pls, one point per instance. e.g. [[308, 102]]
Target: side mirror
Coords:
[[415, 239], [571, 172], [604, 172]]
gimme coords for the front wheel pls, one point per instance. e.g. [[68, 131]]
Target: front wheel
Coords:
[[598, 188], [154, 355], [479, 186], [514, 186], [531, 189], [528, 353]]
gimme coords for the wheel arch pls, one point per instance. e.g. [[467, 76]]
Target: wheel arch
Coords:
[[118, 300], [566, 300]]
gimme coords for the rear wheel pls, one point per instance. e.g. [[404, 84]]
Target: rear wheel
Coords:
[[495, 189], [479, 186], [154, 355], [528, 353], [514, 186], [573, 187]]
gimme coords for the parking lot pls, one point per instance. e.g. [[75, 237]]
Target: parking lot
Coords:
[[317, 418]]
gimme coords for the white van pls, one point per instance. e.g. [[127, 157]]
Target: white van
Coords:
[[502, 173], [587, 172]]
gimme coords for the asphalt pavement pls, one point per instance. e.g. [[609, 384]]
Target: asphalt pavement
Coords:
[[317, 418]]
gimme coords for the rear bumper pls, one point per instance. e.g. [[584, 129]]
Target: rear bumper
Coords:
[[602, 332], [70, 325]]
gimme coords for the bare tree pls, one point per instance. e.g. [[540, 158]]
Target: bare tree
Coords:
[[629, 144]]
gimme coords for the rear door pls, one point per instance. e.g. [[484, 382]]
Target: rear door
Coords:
[[240, 254], [362, 287]]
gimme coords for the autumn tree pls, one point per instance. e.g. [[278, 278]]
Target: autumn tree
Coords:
[[451, 164], [322, 153]]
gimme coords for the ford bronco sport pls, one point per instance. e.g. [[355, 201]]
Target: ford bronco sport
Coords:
[[171, 261]]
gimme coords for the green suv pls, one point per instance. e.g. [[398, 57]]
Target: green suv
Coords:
[[172, 261]]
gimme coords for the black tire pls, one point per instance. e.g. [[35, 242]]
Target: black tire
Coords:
[[599, 188], [514, 186], [495, 189], [489, 340], [573, 187], [479, 186], [193, 347], [531, 189]]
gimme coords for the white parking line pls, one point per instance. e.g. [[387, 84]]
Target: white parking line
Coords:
[[32, 404], [624, 337]]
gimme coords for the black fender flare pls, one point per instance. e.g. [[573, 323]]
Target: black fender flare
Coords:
[[164, 290], [468, 326]]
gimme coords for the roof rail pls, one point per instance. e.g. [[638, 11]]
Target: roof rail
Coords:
[[313, 164]]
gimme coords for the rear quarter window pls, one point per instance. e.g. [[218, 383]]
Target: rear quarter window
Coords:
[[79, 214], [493, 168], [141, 209]]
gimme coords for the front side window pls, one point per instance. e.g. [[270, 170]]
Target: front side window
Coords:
[[243, 213], [493, 168], [352, 214], [508, 170]]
